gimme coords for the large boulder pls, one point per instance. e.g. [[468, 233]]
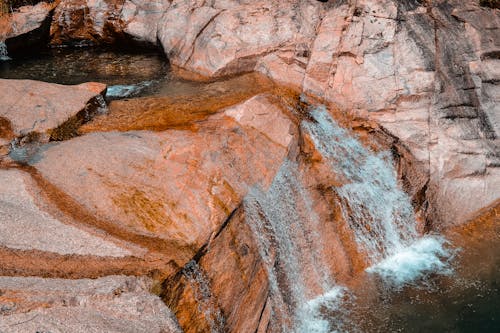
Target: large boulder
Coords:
[[33, 109], [109, 304], [171, 191]]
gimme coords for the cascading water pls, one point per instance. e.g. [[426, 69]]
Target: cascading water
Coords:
[[286, 228], [4, 55], [305, 298], [378, 212]]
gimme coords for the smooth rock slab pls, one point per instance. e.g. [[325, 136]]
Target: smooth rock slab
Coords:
[[33, 107], [109, 304], [176, 186], [24, 226]]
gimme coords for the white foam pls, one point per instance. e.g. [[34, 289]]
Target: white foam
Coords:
[[378, 211], [316, 315], [428, 254]]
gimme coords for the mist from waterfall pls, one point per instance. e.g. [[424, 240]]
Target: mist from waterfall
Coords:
[[377, 210]]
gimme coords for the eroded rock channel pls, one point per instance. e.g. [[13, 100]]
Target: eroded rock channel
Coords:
[[293, 166]]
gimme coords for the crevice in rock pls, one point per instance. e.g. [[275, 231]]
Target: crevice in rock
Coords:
[[199, 34], [53, 265]]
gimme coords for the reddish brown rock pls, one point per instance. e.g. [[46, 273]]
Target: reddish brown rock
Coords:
[[174, 186], [228, 39], [228, 294], [83, 22]]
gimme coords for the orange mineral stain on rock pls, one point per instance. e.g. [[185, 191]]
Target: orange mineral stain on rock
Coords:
[[181, 110]]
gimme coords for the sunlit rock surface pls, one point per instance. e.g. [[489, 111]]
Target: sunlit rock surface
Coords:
[[235, 210], [134, 203], [109, 304], [25, 226], [45, 110]]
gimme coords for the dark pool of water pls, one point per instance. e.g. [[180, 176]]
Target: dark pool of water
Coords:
[[466, 301], [74, 66]]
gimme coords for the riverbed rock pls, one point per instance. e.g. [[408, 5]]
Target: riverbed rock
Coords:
[[230, 39], [44, 111], [24, 226], [86, 22], [109, 304]]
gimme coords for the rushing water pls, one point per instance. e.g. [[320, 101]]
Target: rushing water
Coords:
[[305, 297], [286, 228], [377, 210]]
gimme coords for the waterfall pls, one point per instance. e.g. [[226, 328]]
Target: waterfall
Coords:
[[4, 55], [286, 229], [304, 296], [378, 212]]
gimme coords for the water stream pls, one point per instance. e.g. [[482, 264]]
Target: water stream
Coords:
[[305, 297], [377, 210]]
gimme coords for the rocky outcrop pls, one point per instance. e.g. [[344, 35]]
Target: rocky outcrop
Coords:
[[130, 203], [110, 304], [33, 110], [27, 28], [390, 63]]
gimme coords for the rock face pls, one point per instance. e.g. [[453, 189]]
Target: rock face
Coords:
[[388, 62], [169, 182], [110, 304], [24, 226], [27, 28], [46, 110]]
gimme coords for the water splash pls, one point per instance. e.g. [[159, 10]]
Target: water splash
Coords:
[[101, 107], [286, 229], [4, 54], [378, 212], [425, 256]]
